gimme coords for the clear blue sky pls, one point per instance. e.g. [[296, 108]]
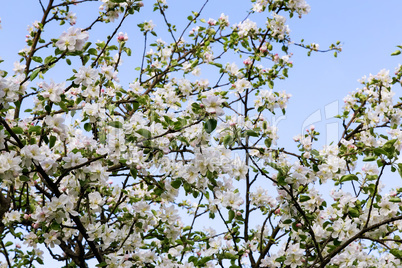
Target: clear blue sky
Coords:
[[369, 31]]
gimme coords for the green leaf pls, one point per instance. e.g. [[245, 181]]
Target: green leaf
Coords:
[[52, 141], [9, 243], [17, 130], [389, 147], [134, 173], [37, 59], [396, 252], [68, 61], [145, 133], [285, 72], [251, 133], [281, 180], [85, 59], [349, 177], [231, 216], [354, 212], [227, 140], [48, 59], [88, 127], [400, 169], [176, 184], [380, 151], [304, 198], [127, 50], [280, 259], [268, 142], [210, 125], [271, 84], [288, 221], [36, 129], [34, 74], [39, 260], [369, 158], [116, 124], [92, 51], [24, 178], [396, 52], [203, 261], [395, 199]]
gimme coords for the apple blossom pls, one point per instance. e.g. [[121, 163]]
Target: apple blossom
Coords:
[[126, 174]]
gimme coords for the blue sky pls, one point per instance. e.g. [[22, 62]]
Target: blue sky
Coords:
[[369, 31]]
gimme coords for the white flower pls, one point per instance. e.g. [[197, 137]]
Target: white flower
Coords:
[[196, 71], [56, 122], [72, 40], [136, 87], [149, 25], [19, 68], [213, 104], [86, 76], [246, 27], [51, 238], [241, 85], [109, 72], [278, 27], [12, 216], [73, 159], [71, 17], [232, 200], [52, 91], [95, 200], [33, 152]]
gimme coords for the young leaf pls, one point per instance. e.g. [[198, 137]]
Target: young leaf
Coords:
[[210, 125]]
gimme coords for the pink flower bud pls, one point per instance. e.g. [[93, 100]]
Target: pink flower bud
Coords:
[[277, 211], [299, 225], [247, 62]]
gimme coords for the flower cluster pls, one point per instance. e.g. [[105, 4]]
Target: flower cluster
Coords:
[[72, 40], [278, 27]]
